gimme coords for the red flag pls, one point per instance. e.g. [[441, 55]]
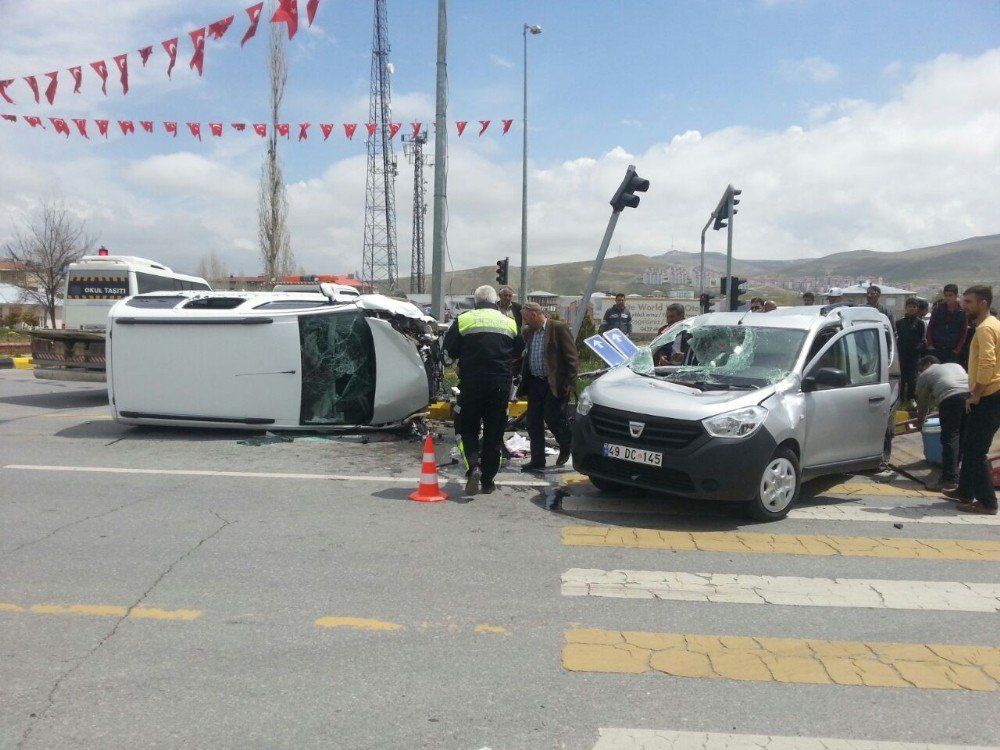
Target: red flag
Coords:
[[506, 126], [217, 29], [394, 128], [9, 118], [50, 90], [370, 127], [254, 12], [60, 125], [460, 125], [77, 73], [260, 129], [3, 91], [144, 54], [303, 127], [239, 126], [485, 124], [195, 128], [81, 125], [102, 127], [35, 122], [101, 68], [349, 128], [127, 126], [34, 87], [147, 125], [122, 62], [287, 12], [416, 128], [327, 128], [283, 129], [311, 7], [171, 127], [216, 128], [198, 39], [171, 48]]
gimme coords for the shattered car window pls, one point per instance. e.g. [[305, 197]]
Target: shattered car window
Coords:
[[338, 369]]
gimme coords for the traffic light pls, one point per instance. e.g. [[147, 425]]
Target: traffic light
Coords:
[[625, 194], [726, 208], [737, 287], [502, 268]]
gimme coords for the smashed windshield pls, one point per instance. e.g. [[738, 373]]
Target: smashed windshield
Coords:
[[721, 355]]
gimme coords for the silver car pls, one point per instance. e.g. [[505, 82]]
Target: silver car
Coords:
[[749, 406]]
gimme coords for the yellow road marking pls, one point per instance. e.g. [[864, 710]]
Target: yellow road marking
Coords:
[[783, 544], [356, 623], [486, 628], [104, 610], [803, 662], [873, 489]]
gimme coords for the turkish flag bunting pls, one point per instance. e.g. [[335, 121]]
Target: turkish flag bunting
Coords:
[[370, 127], [260, 129], [198, 59], [217, 29], [460, 126], [216, 128], [303, 127], [144, 54], [122, 62], [171, 127], [171, 49], [195, 128], [50, 90], [127, 126], [81, 125], [102, 127], [349, 128], [311, 7], [34, 87], [394, 128], [3, 91], [77, 72], [485, 124], [101, 68], [147, 125], [327, 128], [34, 122], [254, 12], [506, 126], [288, 13], [416, 128], [9, 118], [60, 125], [239, 126], [282, 129]]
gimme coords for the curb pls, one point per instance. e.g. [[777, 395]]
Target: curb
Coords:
[[6, 363], [17, 363]]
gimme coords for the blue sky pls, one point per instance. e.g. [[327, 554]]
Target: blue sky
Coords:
[[887, 113]]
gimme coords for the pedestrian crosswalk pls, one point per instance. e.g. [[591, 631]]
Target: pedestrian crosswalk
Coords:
[[618, 641]]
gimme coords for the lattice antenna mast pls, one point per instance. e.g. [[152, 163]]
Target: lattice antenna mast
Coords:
[[413, 147], [380, 260]]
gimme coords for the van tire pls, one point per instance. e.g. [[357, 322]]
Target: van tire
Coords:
[[606, 485], [887, 447], [777, 487]]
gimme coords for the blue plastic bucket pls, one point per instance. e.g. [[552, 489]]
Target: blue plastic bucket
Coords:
[[932, 441]]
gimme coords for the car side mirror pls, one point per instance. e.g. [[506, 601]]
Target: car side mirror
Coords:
[[327, 290], [824, 377]]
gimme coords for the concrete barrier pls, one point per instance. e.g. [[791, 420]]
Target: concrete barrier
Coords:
[[18, 363]]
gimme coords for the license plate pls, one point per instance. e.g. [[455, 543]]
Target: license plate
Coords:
[[635, 455]]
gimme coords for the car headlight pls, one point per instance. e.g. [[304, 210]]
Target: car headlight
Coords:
[[584, 404], [740, 423]]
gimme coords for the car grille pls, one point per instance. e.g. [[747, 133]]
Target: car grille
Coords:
[[659, 433], [664, 479]]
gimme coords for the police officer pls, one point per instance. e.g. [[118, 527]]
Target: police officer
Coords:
[[485, 342]]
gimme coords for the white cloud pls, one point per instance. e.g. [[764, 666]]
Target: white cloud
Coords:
[[814, 69], [501, 62]]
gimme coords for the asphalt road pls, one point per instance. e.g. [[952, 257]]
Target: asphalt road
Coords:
[[188, 589]]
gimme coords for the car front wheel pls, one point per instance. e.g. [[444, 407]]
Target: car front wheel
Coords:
[[777, 487]]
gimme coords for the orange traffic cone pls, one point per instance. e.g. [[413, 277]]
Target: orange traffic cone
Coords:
[[428, 490]]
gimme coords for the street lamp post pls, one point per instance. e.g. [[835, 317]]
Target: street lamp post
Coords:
[[523, 291]]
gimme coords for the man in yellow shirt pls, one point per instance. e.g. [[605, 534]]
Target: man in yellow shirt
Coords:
[[975, 493]]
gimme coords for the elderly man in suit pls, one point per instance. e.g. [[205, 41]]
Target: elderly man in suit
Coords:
[[548, 377]]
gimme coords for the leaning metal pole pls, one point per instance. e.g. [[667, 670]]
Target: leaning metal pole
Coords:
[[595, 272], [701, 283], [440, 166]]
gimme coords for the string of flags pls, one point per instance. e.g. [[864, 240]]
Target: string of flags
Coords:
[[61, 126], [287, 13]]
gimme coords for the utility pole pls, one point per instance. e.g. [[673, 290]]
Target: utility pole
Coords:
[[440, 166], [413, 147]]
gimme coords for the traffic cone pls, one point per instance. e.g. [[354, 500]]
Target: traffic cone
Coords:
[[428, 490]]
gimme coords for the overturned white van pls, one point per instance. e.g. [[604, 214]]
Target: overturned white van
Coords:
[[267, 360]]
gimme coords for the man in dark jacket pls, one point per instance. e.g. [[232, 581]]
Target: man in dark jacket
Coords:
[[872, 296], [485, 342], [948, 327], [618, 316], [509, 307], [548, 377], [910, 338]]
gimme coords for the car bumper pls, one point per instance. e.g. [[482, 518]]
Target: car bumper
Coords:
[[710, 468]]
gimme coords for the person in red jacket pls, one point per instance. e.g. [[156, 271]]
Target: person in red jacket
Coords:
[[948, 327]]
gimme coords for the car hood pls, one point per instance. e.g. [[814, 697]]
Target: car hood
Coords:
[[625, 390]]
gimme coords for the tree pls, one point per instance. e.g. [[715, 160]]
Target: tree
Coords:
[[212, 268], [272, 205], [46, 247]]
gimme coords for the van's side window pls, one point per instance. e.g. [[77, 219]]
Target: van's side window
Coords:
[[863, 348], [835, 357]]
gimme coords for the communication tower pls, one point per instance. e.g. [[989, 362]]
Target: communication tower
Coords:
[[413, 147]]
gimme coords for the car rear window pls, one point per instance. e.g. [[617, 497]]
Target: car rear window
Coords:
[[155, 303], [214, 303]]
